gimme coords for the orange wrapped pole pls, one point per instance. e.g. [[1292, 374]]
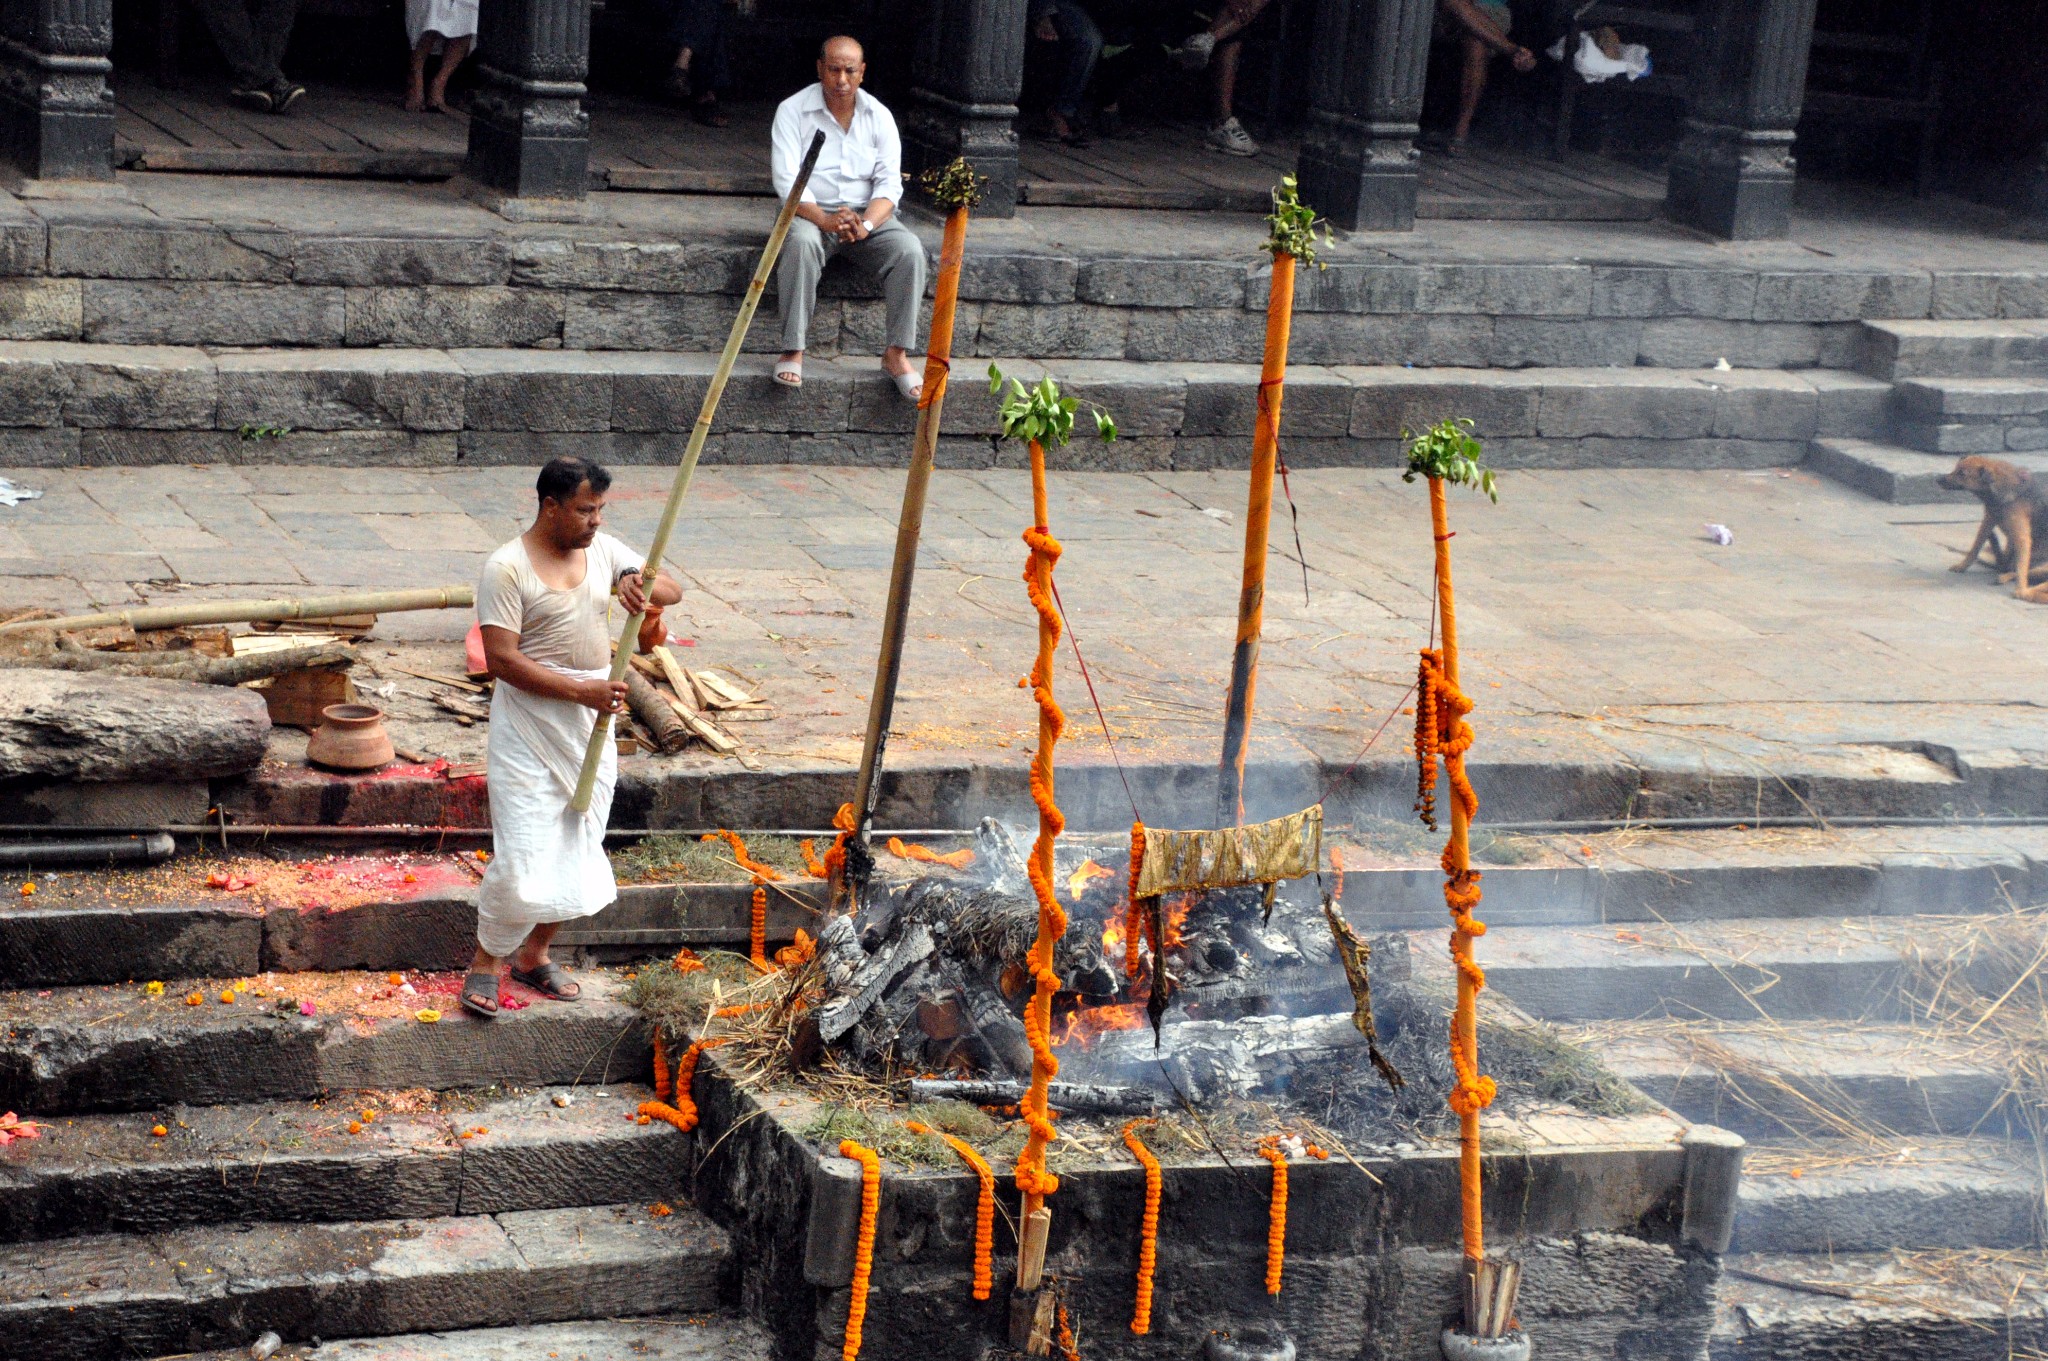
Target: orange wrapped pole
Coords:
[[957, 189], [1293, 239]]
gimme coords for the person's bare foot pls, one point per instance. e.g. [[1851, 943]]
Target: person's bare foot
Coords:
[[896, 360], [415, 100]]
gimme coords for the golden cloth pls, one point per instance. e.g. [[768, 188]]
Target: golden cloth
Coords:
[[1263, 853]]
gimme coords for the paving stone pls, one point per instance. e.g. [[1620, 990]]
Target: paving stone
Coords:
[[1661, 291], [1221, 335], [1045, 280], [530, 449], [1841, 295], [632, 266], [1082, 331], [1639, 403], [1963, 294], [1763, 404], [1530, 342], [1950, 438], [1223, 399], [660, 321], [1964, 397], [1935, 349], [337, 448], [1161, 283], [137, 387], [541, 390], [130, 251], [358, 261], [1848, 404], [696, 1338], [1387, 400], [453, 317], [39, 448], [24, 242], [144, 312], [1333, 338], [1699, 343], [1344, 288], [420, 390], [30, 388], [1947, 1195]]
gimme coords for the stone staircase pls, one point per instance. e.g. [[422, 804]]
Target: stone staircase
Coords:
[[1957, 387], [451, 1189], [1892, 1202]]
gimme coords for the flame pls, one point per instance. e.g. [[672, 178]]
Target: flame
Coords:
[[1177, 914], [1084, 1025], [1077, 882], [1113, 939]]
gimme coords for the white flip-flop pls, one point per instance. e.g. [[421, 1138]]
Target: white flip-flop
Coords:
[[909, 384], [789, 372]]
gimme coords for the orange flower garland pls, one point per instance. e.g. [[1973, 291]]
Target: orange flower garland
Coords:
[[864, 1243], [739, 1009], [686, 961], [834, 863], [1134, 916], [1148, 1230], [1032, 1179], [1069, 1349], [757, 949], [683, 1115], [1276, 1224], [812, 865], [662, 1086], [798, 952], [984, 1208], [903, 850]]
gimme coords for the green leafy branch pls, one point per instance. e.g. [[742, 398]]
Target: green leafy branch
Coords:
[[1040, 413], [1294, 225], [954, 186], [1449, 452]]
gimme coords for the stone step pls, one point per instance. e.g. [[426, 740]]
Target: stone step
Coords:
[[1997, 416], [63, 403], [367, 912], [694, 1337], [77, 1050], [1834, 1195], [1891, 473], [1878, 1307], [1766, 1080], [297, 1161], [2010, 348], [222, 1285], [1730, 970]]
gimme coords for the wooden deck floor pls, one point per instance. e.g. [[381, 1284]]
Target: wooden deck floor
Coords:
[[646, 147]]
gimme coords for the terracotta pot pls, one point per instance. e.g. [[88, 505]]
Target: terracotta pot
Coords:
[[350, 737]]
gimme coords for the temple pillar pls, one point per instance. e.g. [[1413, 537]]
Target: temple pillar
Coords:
[[966, 75], [529, 137], [56, 112], [1732, 173], [1359, 166]]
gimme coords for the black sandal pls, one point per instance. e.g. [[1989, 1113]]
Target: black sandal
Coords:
[[547, 980], [472, 990]]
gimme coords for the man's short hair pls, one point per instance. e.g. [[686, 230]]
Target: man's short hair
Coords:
[[560, 477], [826, 45]]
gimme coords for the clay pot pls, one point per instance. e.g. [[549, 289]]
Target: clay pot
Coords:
[[350, 737]]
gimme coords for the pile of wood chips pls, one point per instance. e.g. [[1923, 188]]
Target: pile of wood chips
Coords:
[[673, 706]]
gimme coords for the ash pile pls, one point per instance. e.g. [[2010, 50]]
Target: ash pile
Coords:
[[1246, 997]]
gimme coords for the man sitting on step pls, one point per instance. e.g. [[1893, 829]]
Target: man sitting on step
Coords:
[[543, 605], [849, 207]]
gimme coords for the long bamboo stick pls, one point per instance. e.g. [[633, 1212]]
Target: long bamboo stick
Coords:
[[1251, 600], [910, 518], [629, 637], [253, 611]]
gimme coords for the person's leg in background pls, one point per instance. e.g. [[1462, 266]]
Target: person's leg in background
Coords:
[[697, 31], [1080, 42], [796, 292], [894, 255], [228, 22], [270, 22], [1224, 54]]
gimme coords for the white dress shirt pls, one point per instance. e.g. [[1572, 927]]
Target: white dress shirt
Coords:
[[859, 163]]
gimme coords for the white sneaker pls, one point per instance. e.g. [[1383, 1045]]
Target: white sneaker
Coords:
[[1193, 54], [1230, 138]]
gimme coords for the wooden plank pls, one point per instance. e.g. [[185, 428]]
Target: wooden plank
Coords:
[[1613, 209], [421, 165], [755, 184], [178, 126]]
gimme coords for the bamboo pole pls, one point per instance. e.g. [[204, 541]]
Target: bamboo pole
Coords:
[[629, 637], [254, 611], [1251, 599], [910, 518]]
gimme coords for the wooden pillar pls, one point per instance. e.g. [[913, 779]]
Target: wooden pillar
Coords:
[[1732, 173], [965, 78], [529, 136], [1359, 166], [56, 112]]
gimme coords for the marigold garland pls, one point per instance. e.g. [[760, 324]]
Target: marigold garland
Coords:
[[686, 961], [1069, 1349], [1276, 1224], [812, 865], [1032, 1178], [925, 855], [864, 1242], [757, 944], [834, 863], [683, 1114], [984, 1207], [798, 952], [662, 1083], [739, 1009], [1134, 915], [1148, 1229]]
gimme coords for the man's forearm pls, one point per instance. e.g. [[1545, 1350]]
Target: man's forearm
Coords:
[[877, 212]]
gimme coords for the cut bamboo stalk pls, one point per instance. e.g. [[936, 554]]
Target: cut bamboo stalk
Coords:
[[931, 404], [256, 611], [629, 638]]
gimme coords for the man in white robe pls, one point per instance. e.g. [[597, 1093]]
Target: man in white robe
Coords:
[[543, 604]]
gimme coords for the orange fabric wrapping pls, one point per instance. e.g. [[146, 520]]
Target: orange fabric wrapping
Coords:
[[902, 850], [1134, 916], [938, 345], [984, 1207], [1474, 1091], [1148, 1229], [864, 1243], [1032, 1178]]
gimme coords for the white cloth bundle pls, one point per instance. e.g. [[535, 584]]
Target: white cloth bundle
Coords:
[[1594, 66], [548, 864], [449, 18]]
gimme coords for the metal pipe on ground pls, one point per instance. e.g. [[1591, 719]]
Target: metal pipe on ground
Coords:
[[104, 850], [258, 611]]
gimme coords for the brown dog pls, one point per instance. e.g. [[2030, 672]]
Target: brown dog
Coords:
[[2014, 505]]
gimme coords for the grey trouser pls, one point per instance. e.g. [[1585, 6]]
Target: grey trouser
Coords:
[[892, 253], [251, 35]]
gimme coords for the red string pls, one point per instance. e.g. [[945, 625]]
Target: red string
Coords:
[[1100, 717]]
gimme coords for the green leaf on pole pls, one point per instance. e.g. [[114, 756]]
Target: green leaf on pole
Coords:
[[1295, 224], [1449, 452], [1041, 412]]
